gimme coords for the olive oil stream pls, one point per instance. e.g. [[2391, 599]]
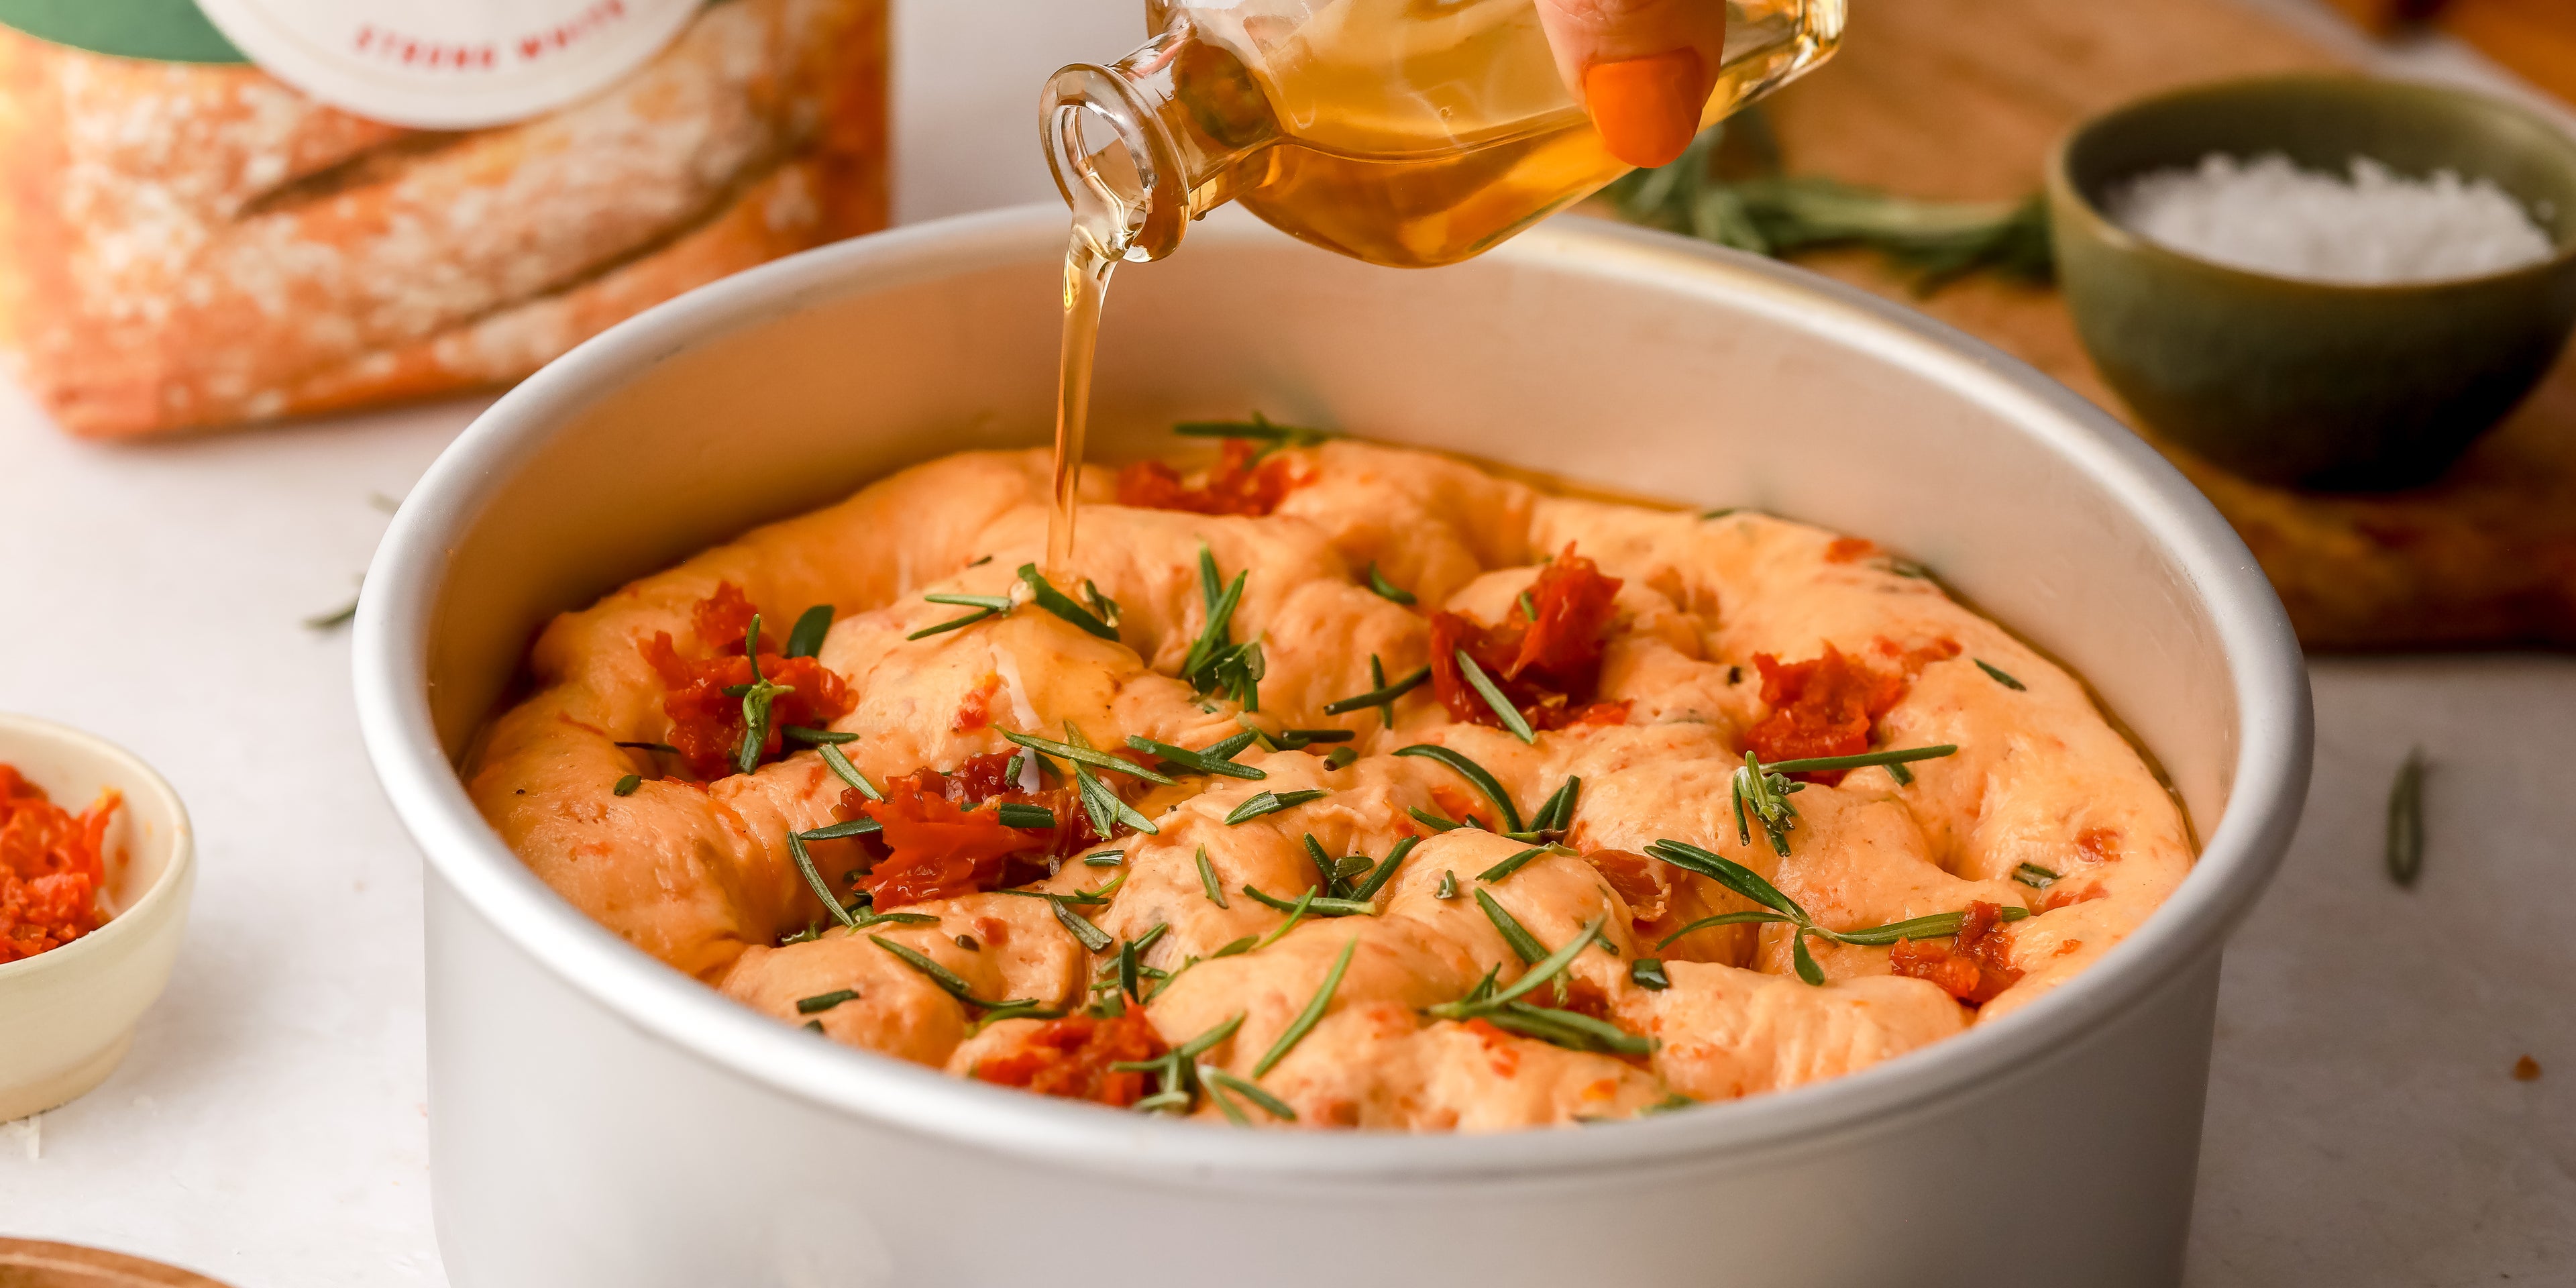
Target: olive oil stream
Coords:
[[1406, 133]]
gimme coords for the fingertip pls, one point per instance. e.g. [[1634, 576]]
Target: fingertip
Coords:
[[1647, 109]]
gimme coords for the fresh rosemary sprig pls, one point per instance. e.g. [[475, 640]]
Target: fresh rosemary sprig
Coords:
[[1781, 909], [1764, 790], [1494, 700], [842, 831], [756, 701], [1044, 594], [1176, 1070], [1260, 429], [1385, 589], [1271, 803], [805, 639], [1448, 885], [985, 606], [1386, 871], [808, 736], [1219, 1082], [1648, 973], [1321, 907], [1433, 821], [666, 748], [1524, 944], [1207, 879], [1296, 914], [1083, 753], [1305, 1022], [1474, 773], [1093, 938], [626, 786], [1199, 762], [1104, 859], [825, 1001], [1512, 864], [2037, 877], [1999, 677], [1384, 695], [1556, 813], [814, 880], [2406, 820], [1027, 817], [1776, 214], [842, 768], [1542, 968], [949, 983]]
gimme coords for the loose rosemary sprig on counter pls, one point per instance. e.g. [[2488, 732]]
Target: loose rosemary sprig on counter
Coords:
[[2406, 820], [1778, 908], [1770, 213]]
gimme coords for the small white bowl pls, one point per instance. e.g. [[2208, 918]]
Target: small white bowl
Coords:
[[68, 1015]]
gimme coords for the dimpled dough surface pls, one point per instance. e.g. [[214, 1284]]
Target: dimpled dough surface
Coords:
[[700, 876]]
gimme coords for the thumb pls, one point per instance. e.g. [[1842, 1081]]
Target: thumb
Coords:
[[1642, 68]]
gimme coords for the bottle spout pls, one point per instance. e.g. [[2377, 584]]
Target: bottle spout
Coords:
[[1142, 146]]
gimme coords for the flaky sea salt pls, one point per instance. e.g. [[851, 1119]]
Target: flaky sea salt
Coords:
[[2376, 227]]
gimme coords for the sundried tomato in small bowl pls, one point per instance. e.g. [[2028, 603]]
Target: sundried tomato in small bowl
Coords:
[[96, 866]]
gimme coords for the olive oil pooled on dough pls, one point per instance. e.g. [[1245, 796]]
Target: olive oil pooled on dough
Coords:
[[1409, 133]]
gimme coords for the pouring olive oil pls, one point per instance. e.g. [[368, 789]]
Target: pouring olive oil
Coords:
[[1410, 133]]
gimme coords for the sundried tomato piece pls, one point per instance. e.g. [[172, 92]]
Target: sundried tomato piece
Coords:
[[51, 867], [1820, 707], [975, 710], [1070, 1058], [1975, 966], [1241, 482], [1547, 664], [935, 850], [1638, 879], [706, 722]]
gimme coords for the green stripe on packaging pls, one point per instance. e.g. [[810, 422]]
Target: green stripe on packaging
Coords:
[[170, 31]]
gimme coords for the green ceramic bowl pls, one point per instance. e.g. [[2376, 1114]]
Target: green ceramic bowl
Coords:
[[2307, 383]]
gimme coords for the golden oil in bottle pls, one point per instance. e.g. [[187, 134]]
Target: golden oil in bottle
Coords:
[[1409, 133], [1403, 132]]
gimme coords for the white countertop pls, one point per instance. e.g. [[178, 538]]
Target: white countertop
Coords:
[[2363, 1127]]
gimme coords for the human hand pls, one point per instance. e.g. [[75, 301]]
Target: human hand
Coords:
[[1642, 68]]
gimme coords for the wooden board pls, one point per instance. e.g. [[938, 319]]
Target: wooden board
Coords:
[[25, 1263], [1963, 98]]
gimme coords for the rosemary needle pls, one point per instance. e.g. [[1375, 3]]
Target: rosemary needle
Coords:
[[1207, 879], [1495, 701], [2406, 820], [1306, 1019]]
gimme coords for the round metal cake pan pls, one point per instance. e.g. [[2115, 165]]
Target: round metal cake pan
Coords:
[[597, 1118]]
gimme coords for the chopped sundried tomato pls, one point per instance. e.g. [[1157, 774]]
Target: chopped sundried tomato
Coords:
[[1499, 1049], [1849, 549], [1975, 966], [936, 850], [1071, 1057], [51, 867], [975, 710], [939, 839], [1638, 879], [1546, 664], [706, 722], [1820, 707], [1242, 481]]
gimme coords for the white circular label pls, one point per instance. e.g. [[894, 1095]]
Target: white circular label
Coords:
[[449, 64]]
